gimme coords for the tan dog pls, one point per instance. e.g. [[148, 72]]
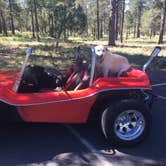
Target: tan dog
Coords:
[[110, 63]]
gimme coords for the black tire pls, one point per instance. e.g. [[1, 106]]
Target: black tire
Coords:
[[111, 130]]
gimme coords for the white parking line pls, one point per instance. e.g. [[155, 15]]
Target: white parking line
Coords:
[[102, 160], [162, 84], [157, 85], [161, 97]]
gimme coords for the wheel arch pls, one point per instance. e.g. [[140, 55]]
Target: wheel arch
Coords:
[[106, 98]]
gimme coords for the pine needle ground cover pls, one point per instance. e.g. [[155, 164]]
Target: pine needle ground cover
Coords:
[[12, 51]]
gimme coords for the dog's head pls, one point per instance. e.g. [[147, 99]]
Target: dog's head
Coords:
[[100, 50]]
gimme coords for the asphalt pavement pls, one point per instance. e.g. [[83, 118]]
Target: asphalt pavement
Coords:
[[83, 145]]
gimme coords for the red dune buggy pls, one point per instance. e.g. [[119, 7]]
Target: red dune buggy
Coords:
[[122, 104]]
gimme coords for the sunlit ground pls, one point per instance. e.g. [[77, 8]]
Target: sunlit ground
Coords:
[[12, 50]]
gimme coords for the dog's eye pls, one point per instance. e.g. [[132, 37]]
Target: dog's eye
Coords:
[[98, 50]]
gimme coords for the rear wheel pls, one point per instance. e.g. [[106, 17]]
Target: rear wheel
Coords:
[[126, 122]]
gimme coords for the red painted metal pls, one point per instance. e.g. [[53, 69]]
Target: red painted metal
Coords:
[[65, 106]]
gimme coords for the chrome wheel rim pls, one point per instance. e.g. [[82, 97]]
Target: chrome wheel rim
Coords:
[[129, 125]]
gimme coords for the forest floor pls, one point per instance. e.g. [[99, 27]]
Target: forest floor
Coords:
[[12, 51]]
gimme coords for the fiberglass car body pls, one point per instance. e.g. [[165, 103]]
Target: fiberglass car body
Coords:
[[115, 101]]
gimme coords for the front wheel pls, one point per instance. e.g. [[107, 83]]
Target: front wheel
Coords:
[[126, 122]]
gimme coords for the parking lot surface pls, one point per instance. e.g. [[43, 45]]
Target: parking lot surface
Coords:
[[83, 145]]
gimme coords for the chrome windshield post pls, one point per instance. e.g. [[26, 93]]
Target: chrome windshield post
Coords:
[[18, 80], [92, 66]]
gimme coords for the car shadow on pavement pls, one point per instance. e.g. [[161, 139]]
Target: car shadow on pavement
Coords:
[[23, 144], [149, 152]]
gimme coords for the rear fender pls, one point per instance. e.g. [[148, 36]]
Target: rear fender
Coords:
[[105, 99]]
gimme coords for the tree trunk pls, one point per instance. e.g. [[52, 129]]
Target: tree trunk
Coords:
[[51, 25], [160, 41], [98, 20], [122, 21], [138, 19], [0, 26], [154, 33], [4, 27], [112, 35], [64, 34], [105, 28], [94, 33], [58, 37], [32, 21], [64, 22], [127, 34], [134, 29], [11, 17], [150, 33], [116, 19], [36, 20], [87, 29], [101, 29]]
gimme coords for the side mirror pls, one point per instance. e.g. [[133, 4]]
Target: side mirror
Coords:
[[154, 53]]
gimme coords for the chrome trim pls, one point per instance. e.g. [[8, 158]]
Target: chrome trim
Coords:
[[129, 125], [81, 98]]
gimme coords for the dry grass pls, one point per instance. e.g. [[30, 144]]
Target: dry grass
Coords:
[[12, 50]]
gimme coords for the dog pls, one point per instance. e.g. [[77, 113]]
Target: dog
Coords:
[[108, 63], [36, 78]]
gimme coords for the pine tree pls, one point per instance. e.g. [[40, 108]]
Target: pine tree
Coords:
[[11, 2], [112, 35], [2, 17], [160, 41]]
